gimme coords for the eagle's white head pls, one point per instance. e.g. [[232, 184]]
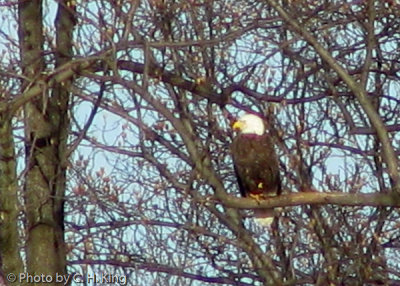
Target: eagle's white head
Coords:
[[249, 124]]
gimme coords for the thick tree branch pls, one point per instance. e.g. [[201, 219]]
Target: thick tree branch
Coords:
[[315, 198], [44, 81]]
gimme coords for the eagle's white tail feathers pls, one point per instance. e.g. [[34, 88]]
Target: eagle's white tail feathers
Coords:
[[264, 217]]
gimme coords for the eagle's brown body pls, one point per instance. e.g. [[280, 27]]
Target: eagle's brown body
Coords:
[[256, 164]]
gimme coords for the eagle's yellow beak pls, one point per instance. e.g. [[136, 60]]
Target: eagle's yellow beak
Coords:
[[238, 125]]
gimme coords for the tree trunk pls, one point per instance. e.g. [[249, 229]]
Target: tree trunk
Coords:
[[46, 130], [11, 261]]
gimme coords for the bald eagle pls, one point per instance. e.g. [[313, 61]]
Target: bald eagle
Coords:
[[256, 164]]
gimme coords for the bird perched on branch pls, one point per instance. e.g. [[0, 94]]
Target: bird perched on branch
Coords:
[[256, 164]]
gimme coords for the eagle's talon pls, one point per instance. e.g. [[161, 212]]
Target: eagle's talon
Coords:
[[257, 197]]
